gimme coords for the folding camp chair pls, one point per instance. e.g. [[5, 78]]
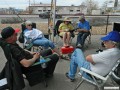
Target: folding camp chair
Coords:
[[14, 74], [56, 32], [97, 79], [28, 45], [88, 39]]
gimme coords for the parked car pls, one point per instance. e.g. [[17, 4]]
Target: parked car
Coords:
[[78, 14], [47, 15]]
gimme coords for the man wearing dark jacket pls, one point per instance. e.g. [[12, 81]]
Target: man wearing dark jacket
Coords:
[[25, 58]]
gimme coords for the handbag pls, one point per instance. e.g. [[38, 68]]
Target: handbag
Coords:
[[21, 38], [3, 81]]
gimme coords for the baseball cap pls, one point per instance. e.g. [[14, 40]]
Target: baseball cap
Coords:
[[113, 36], [8, 31], [81, 17]]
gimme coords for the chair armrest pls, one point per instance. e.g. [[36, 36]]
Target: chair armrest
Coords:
[[93, 74], [46, 60], [29, 46], [73, 30]]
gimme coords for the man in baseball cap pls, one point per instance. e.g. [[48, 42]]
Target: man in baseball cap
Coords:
[[83, 31], [25, 58], [100, 63], [113, 36], [8, 31], [10, 34]]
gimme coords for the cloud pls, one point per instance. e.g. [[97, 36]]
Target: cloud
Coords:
[[25, 3], [14, 3]]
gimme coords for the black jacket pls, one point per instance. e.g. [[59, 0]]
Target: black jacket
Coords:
[[12, 69]]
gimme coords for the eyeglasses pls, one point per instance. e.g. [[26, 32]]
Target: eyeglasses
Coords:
[[29, 25], [105, 41], [67, 21]]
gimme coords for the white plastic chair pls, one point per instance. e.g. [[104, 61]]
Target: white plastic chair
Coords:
[[98, 80]]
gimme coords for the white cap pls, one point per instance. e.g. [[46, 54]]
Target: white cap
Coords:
[[28, 22], [81, 17]]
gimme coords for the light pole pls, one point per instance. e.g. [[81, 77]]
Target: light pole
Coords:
[[53, 15], [54, 11], [29, 6]]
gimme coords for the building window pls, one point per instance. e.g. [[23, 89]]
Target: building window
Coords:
[[44, 10], [78, 10], [49, 10], [39, 10], [71, 10]]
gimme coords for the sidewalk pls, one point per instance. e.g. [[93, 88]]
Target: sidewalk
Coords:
[[59, 81]]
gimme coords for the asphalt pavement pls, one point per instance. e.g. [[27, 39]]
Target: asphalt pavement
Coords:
[[59, 81]]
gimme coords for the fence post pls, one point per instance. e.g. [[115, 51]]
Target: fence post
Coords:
[[107, 23]]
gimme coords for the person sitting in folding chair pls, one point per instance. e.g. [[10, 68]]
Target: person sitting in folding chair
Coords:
[[83, 30], [100, 63], [37, 37], [64, 30], [25, 58]]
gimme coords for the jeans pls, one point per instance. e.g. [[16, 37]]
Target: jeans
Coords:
[[81, 37], [50, 65], [43, 42], [78, 60]]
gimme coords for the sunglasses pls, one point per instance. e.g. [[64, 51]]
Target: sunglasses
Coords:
[[29, 25], [67, 21]]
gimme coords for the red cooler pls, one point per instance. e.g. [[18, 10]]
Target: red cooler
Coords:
[[67, 50]]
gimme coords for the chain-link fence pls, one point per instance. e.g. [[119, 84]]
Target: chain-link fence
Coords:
[[100, 24], [41, 26]]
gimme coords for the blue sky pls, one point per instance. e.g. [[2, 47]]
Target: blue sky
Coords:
[[24, 3]]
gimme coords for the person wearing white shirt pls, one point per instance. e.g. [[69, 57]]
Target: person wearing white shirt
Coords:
[[37, 37], [100, 63]]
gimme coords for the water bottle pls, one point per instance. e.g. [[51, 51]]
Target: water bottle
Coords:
[[43, 65], [43, 62]]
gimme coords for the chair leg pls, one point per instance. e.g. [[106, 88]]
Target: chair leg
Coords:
[[45, 83], [71, 40], [89, 42], [79, 83], [96, 83]]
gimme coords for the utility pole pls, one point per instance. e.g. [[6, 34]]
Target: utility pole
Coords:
[[90, 7], [54, 11], [29, 6], [53, 15]]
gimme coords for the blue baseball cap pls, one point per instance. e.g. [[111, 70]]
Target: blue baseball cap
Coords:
[[113, 36]]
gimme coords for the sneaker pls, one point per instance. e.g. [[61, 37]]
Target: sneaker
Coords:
[[64, 57], [79, 46], [72, 80]]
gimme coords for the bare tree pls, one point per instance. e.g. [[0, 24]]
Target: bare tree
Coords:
[[91, 5], [104, 6]]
